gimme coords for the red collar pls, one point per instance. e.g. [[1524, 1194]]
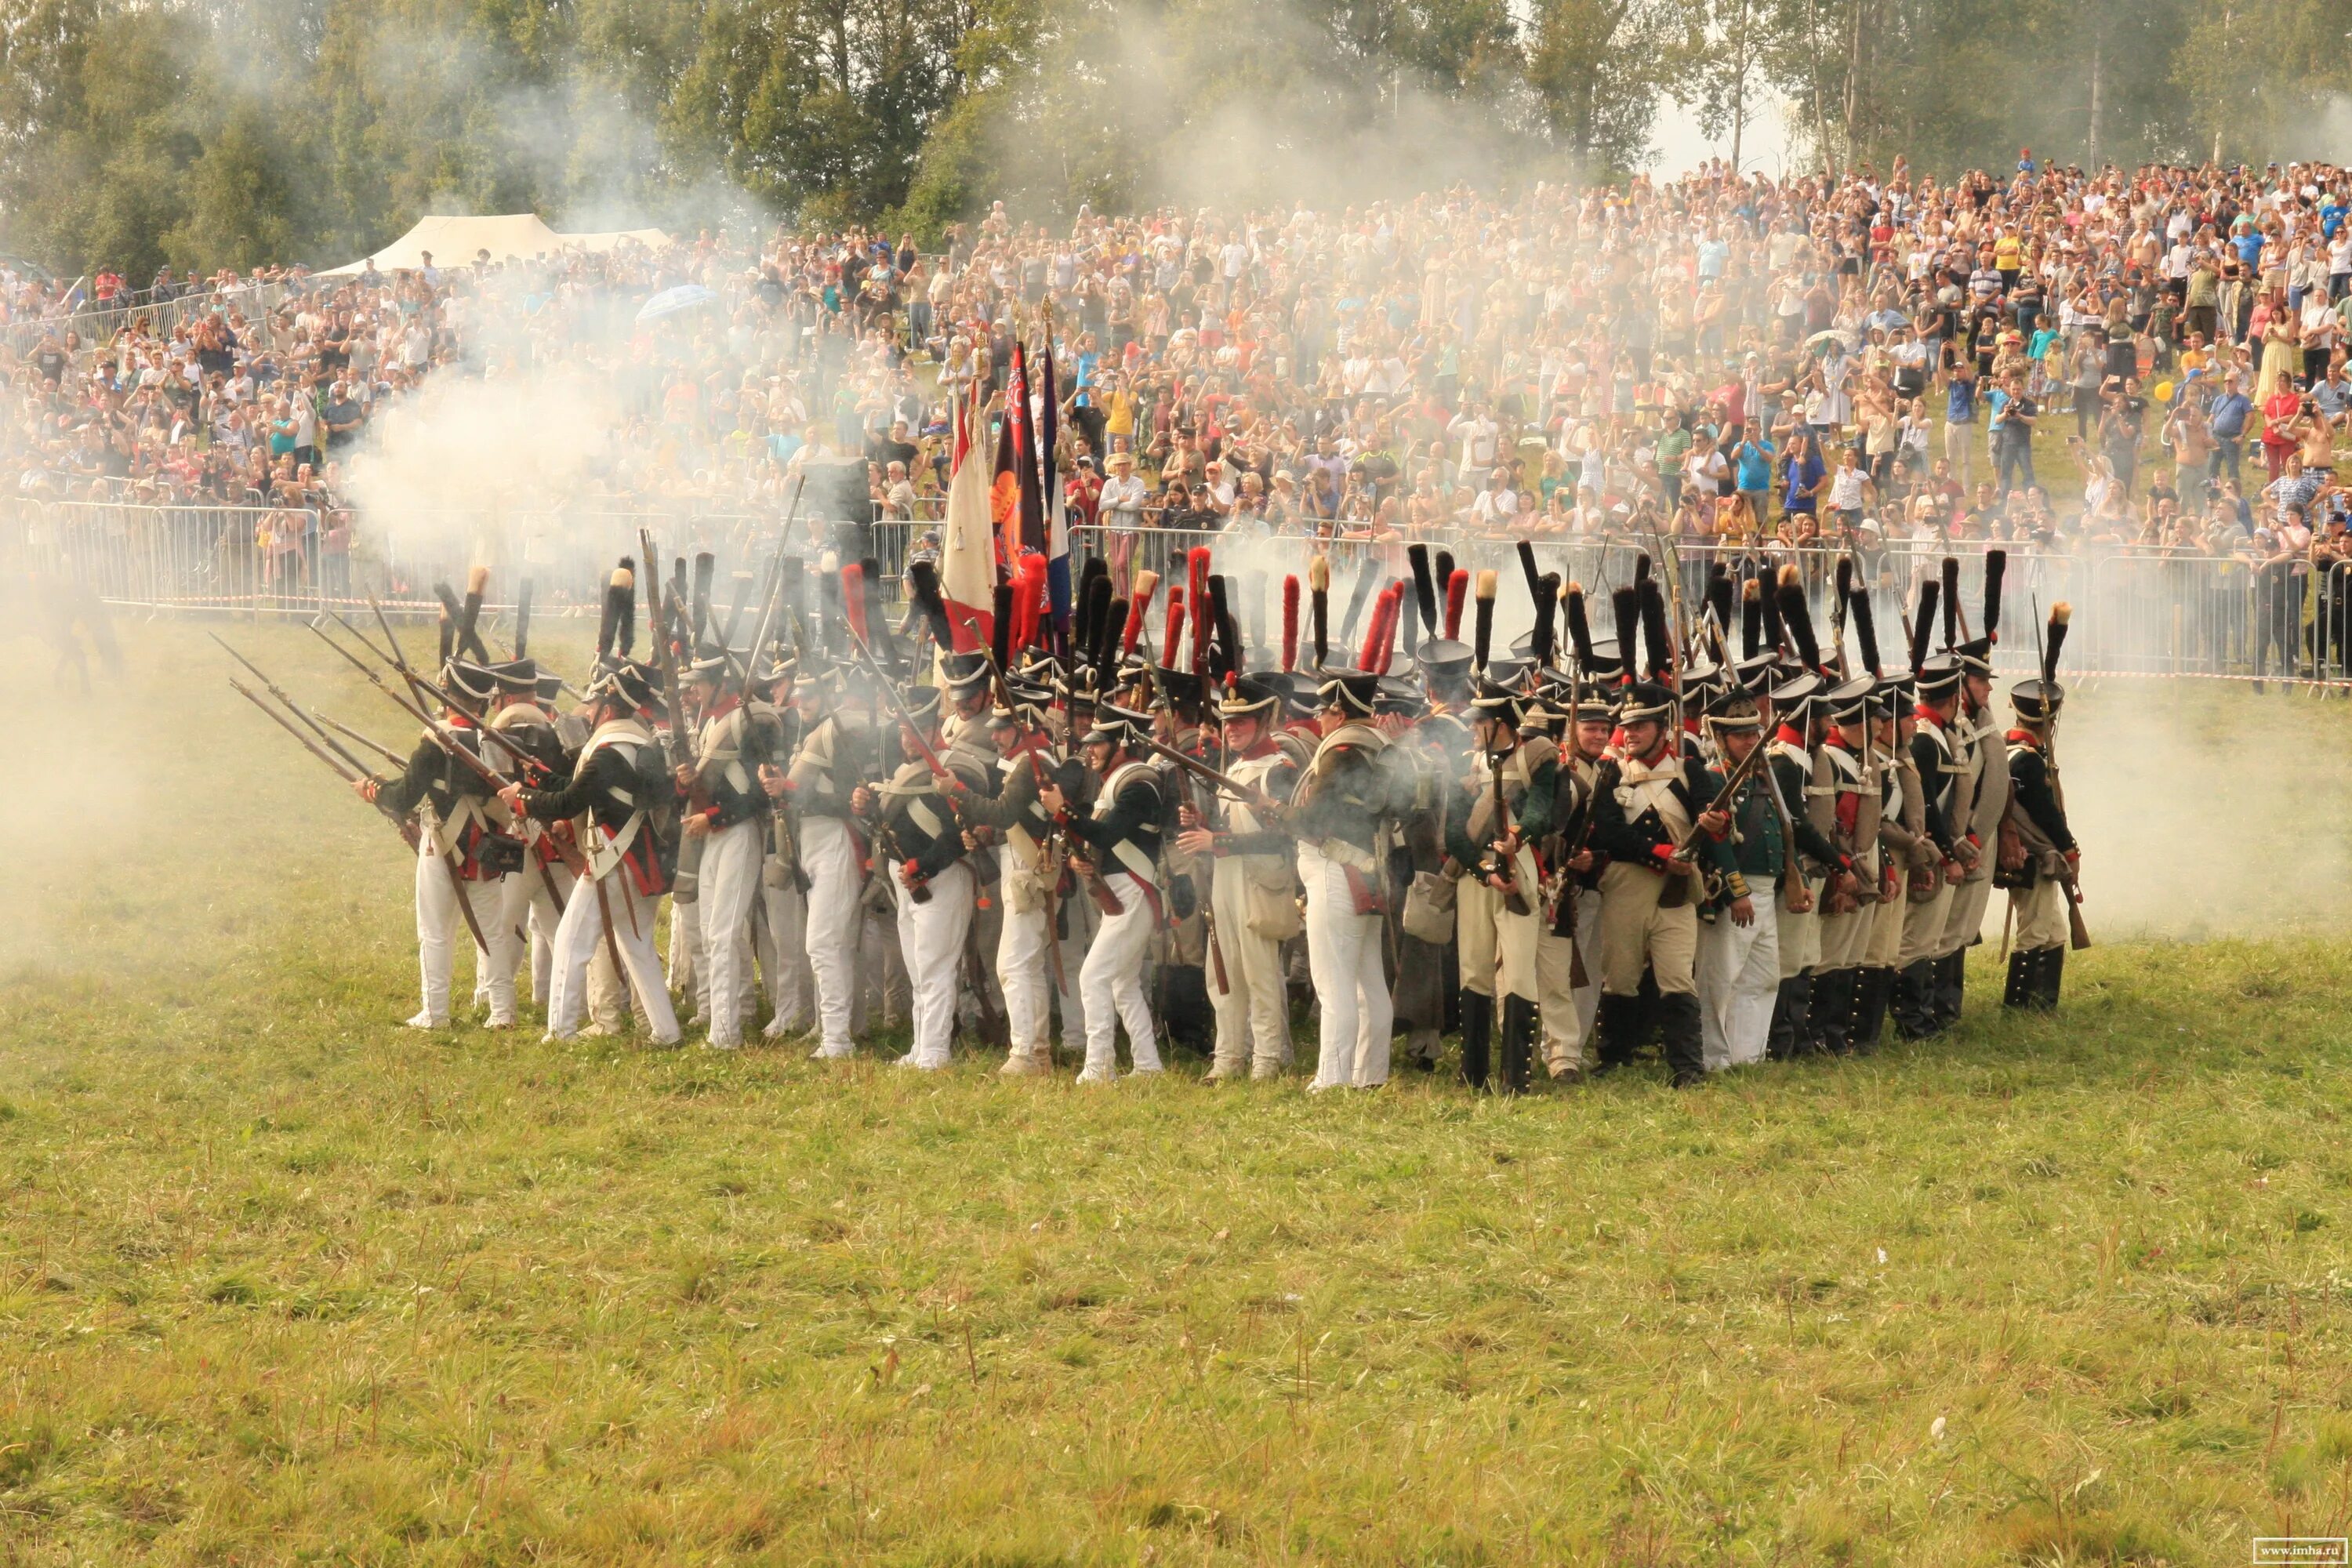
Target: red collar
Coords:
[[1788, 736], [1926, 715], [1265, 747], [461, 721], [726, 703], [2025, 738]]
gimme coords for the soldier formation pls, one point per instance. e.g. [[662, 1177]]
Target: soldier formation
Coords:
[[1714, 830]]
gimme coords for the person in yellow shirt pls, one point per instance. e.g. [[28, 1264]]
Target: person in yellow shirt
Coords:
[[2009, 259]]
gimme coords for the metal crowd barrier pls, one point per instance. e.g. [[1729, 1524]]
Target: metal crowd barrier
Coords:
[[2135, 615], [100, 322]]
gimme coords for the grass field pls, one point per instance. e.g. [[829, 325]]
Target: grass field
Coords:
[[282, 1282]]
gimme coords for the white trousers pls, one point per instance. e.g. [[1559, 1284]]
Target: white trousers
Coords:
[[1351, 989], [1739, 976], [438, 920], [1024, 972], [1567, 1028], [836, 922], [1110, 983], [721, 928], [543, 886], [1252, 1006], [580, 936], [1964, 922], [779, 928], [931, 936], [685, 976]]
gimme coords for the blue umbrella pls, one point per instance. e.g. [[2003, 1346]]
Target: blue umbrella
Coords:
[[670, 301]]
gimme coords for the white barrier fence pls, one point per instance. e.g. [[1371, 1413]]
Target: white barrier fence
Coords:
[[2140, 615]]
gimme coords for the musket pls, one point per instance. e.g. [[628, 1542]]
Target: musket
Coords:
[[439, 735], [1255, 799], [296, 708], [423, 687], [1500, 867], [407, 829], [919, 892], [378, 747], [447, 857], [666, 652]]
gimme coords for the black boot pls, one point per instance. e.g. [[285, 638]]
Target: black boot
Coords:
[[1915, 1000], [1870, 1011], [2024, 972], [2045, 988], [1792, 1019], [1519, 1042], [1833, 991], [1678, 1026], [1615, 1030], [1477, 1026], [1952, 981]]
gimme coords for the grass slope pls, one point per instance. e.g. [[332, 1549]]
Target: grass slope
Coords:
[[281, 1282]]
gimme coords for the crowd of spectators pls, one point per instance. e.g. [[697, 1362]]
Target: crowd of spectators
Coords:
[[2050, 358]]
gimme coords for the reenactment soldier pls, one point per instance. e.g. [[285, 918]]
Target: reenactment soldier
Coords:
[[533, 749], [1935, 752], [780, 915], [1253, 896], [1032, 951], [1340, 809], [1656, 819], [920, 841], [840, 750], [727, 809], [465, 853], [1979, 810], [1738, 967], [1121, 839], [1490, 841], [2039, 860], [622, 802]]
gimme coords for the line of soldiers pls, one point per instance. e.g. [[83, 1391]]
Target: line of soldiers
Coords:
[[1564, 850]]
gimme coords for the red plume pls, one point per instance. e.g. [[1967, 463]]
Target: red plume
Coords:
[[1175, 625], [1029, 601], [1197, 573], [1381, 627], [1457, 588], [852, 601], [1389, 623], [1289, 624], [1140, 601]]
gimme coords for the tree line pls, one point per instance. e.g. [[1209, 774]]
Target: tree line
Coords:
[[213, 133]]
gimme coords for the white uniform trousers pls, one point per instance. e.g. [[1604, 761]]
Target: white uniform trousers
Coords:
[[931, 935], [1568, 1009], [686, 978], [1845, 937], [581, 935], [1965, 920], [722, 929], [1923, 924], [1111, 983], [544, 886], [1800, 934], [1885, 944], [1024, 972], [835, 921], [780, 938], [438, 920], [1354, 1011], [882, 994], [2043, 913], [1252, 1006], [1738, 980]]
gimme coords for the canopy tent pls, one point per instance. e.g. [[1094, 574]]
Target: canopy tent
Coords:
[[460, 241]]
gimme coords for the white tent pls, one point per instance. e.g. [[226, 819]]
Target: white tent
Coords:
[[459, 242]]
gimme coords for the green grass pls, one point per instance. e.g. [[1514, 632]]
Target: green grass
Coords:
[[282, 1282]]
